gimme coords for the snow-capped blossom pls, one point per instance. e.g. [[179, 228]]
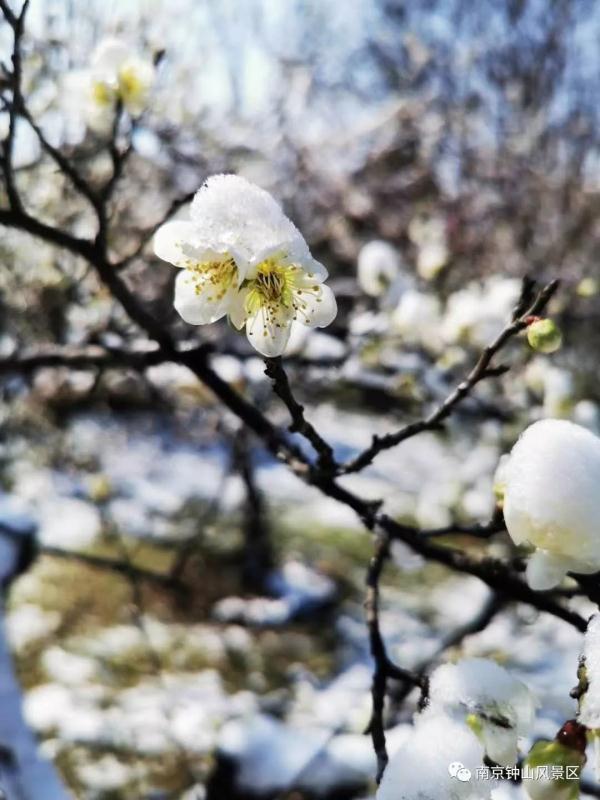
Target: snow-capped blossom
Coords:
[[378, 267], [242, 257], [498, 707], [552, 502], [440, 759]]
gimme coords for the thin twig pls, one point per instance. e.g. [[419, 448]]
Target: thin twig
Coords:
[[281, 386], [482, 370]]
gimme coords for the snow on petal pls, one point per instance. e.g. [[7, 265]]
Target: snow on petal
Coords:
[[551, 499], [231, 210], [439, 760], [499, 707]]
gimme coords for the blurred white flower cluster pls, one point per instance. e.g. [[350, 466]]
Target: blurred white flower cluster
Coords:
[[471, 316], [116, 76], [241, 257]]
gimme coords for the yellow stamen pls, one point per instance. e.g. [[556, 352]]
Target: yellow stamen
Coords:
[[215, 276], [102, 93], [131, 88], [277, 292]]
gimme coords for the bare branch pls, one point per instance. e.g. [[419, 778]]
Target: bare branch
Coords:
[[281, 386], [481, 371], [383, 667], [173, 208]]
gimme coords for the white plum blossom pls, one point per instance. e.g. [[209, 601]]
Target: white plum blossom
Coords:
[[429, 235], [378, 267], [552, 502], [498, 707], [120, 75], [439, 760], [116, 74], [241, 257], [433, 257], [417, 319]]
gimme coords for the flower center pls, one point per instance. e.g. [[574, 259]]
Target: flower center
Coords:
[[131, 87], [215, 277], [272, 286], [278, 291], [102, 94]]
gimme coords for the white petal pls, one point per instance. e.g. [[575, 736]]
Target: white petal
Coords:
[[237, 309], [170, 239], [316, 270], [135, 78], [544, 570], [319, 308], [108, 56], [269, 336], [197, 308], [99, 118], [312, 271], [142, 67], [500, 744]]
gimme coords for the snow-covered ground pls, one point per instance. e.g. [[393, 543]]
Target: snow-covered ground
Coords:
[[109, 699]]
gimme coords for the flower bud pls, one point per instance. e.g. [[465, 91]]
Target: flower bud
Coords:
[[544, 336], [588, 287], [552, 770]]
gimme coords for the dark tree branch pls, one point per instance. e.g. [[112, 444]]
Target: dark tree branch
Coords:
[[383, 666], [281, 386], [61, 161], [147, 235]]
